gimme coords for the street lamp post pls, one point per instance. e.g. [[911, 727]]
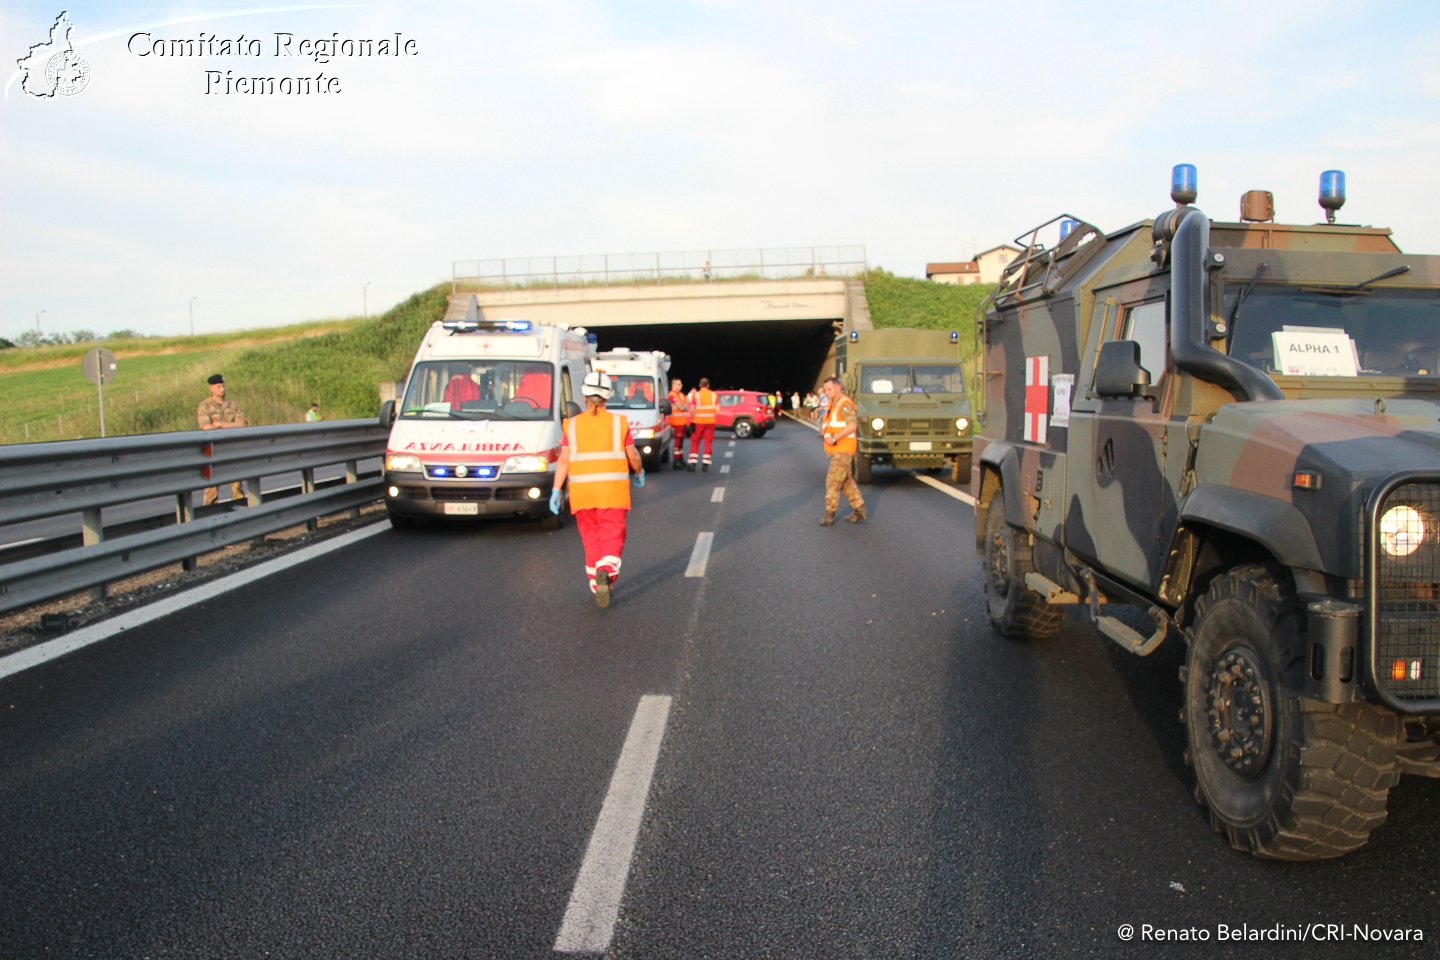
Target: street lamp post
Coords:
[[37, 322], [365, 292], [192, 315]]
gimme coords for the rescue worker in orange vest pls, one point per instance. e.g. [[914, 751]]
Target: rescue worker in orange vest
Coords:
[[704, 404], [838, 428], [598, 457], [678, 419]]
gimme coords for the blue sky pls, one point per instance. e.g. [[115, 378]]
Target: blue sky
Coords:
[[924, 131]]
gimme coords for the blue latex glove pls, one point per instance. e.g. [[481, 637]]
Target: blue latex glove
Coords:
[[555, 501], [639, 478]]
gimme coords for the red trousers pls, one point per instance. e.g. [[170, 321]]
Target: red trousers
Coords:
[[679, 441], [703, 439], [602, 532]]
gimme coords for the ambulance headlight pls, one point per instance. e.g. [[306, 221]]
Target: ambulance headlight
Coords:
[[528, 463], [962, 424], [402, 462], [1402, 530], [644, 433]]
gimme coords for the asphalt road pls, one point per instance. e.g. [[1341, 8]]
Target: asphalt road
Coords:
[[403, 749]]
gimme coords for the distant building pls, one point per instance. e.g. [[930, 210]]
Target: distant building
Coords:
[[986, 267]]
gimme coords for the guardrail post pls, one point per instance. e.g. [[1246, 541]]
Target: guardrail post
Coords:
[[307, 485], [184, 513], [91, 533], [352, 474]]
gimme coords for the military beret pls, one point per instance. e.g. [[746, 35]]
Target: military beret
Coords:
[[215, 378]]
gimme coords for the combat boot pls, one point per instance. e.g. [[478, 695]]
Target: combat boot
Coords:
[[858, 515], [828, 520]]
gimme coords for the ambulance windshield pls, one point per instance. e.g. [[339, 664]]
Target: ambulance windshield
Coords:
[[480, 390], [631, 393]]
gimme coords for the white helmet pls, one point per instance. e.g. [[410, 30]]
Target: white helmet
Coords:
[[597, 384]]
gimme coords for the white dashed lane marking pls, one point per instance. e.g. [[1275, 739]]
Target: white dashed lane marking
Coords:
[[700, 556], [949, 491], [717, 495]]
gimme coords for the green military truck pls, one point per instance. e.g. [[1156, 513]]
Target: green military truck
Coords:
[[1234, 427], [909, 392]]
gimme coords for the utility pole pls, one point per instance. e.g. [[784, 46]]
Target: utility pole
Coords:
[[192, 315], [37, 322], [365, 292]]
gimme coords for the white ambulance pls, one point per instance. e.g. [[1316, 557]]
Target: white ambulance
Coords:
[[641, 382], [476, 432]]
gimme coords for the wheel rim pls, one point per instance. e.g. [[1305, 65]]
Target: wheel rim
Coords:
[[1239, 711]]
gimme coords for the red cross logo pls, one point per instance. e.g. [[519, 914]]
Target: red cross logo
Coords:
[[1037, 398]]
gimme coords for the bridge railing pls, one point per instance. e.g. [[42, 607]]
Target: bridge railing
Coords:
[[688, 266], [51, 481]]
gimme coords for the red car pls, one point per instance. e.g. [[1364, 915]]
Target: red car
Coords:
[[747, 412]]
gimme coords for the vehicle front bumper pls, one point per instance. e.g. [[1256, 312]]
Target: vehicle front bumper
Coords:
[[510, 495], [902, 452]]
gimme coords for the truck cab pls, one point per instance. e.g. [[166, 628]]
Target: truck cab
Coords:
[[910, 400]]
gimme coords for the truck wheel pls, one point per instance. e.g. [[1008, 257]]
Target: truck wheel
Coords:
[[1283, 777], [1015, 609], [744, 429], [960, 469], [860, 468]]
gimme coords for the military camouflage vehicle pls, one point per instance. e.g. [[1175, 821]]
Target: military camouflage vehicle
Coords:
[[909, 392], [1236, 428]]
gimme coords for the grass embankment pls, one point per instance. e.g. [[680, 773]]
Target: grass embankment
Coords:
[[904, 302], [273, 373]]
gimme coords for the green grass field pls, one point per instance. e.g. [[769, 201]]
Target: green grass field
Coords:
[[274, 373]]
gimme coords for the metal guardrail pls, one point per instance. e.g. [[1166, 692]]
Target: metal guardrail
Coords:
[[51, 480], [767, 263]]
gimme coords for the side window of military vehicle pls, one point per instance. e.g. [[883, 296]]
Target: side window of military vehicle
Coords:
[[1145, 324]]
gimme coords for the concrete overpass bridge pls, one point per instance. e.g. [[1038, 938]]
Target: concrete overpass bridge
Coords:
[[745, 333]]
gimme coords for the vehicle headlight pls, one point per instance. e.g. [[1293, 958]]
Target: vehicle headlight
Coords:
[[526, 463], [962, 424], [645, 433], [1402, 530], [402, 462], [877, 424]]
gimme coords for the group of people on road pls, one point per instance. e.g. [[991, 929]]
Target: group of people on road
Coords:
[[693, 415]]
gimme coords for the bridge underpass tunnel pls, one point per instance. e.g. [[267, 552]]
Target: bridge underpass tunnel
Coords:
[[783, 355]]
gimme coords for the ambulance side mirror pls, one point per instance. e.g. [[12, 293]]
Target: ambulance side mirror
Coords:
[[665, 408], [1118, 372], [387, 414]]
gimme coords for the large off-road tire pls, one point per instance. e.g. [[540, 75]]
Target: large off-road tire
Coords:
[[1283, 777], [860, 468], [1015, 610]]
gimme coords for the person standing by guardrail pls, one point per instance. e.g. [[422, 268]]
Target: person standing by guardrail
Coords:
[[218, 413]]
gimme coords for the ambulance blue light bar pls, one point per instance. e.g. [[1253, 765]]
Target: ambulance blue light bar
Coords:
[[488, 326]]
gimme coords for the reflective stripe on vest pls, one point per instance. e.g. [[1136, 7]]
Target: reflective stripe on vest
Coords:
[[835, 423], [706, 403], [599, 469]]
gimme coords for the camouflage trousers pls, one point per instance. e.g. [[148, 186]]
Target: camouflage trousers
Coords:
[[838, 480]]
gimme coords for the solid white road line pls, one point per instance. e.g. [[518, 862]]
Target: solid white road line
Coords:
[[725, 468], [45, 652], [700, 556], [717, 495], [589, 923], [951, 491]]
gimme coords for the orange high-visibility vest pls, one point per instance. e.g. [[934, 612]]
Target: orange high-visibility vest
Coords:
[[599, 469], [834, 423], [706, 405], [679, 409]]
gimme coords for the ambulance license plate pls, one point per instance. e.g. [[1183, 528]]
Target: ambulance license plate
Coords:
[[462, 509], [919, 444]]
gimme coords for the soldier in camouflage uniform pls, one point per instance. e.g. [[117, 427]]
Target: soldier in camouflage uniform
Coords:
[[217, 413], [838, 429]]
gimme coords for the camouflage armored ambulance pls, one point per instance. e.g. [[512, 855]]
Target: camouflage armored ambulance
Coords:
[[1236, 428], [909, 392]]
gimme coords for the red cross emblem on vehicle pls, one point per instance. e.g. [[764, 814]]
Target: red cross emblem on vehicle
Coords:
[[1037, 398]]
